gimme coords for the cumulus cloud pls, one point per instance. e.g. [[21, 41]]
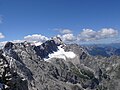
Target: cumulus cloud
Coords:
[[108, 32], [36, 37], [91, 35], [67, 37], [65, 31], [1, 35]]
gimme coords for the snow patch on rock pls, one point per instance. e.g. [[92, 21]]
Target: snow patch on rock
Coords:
[[61, 54]]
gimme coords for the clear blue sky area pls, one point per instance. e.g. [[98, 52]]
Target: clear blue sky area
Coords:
[[23, 17]]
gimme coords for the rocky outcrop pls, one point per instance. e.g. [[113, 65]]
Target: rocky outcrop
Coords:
[[9, 78], [48, 47]]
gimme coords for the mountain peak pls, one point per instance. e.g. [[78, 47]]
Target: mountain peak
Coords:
[[8, 45], [57, 40]]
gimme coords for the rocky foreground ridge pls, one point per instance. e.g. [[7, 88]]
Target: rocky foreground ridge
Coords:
[[24, 66]]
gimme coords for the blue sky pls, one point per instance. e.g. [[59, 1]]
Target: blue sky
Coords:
[[19, 18]]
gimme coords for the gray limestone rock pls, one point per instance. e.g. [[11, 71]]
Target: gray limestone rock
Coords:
[[22, 67]]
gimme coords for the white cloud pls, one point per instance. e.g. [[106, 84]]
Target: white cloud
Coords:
[[2, 44], [1, 35], [91, 35], [65, 31], [36, 38], [17, 41], [108, 32], [67, 37]]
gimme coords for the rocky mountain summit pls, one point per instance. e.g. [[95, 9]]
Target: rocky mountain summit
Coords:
[[54, 65]]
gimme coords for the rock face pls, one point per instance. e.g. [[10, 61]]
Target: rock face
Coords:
[[22, 67], [9, 78]]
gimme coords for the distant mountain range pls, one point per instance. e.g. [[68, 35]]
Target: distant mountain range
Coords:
[[105, 50]]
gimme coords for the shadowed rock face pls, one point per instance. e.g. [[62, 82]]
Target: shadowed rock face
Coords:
[[22, 67], [8, 45], [46, 48]]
